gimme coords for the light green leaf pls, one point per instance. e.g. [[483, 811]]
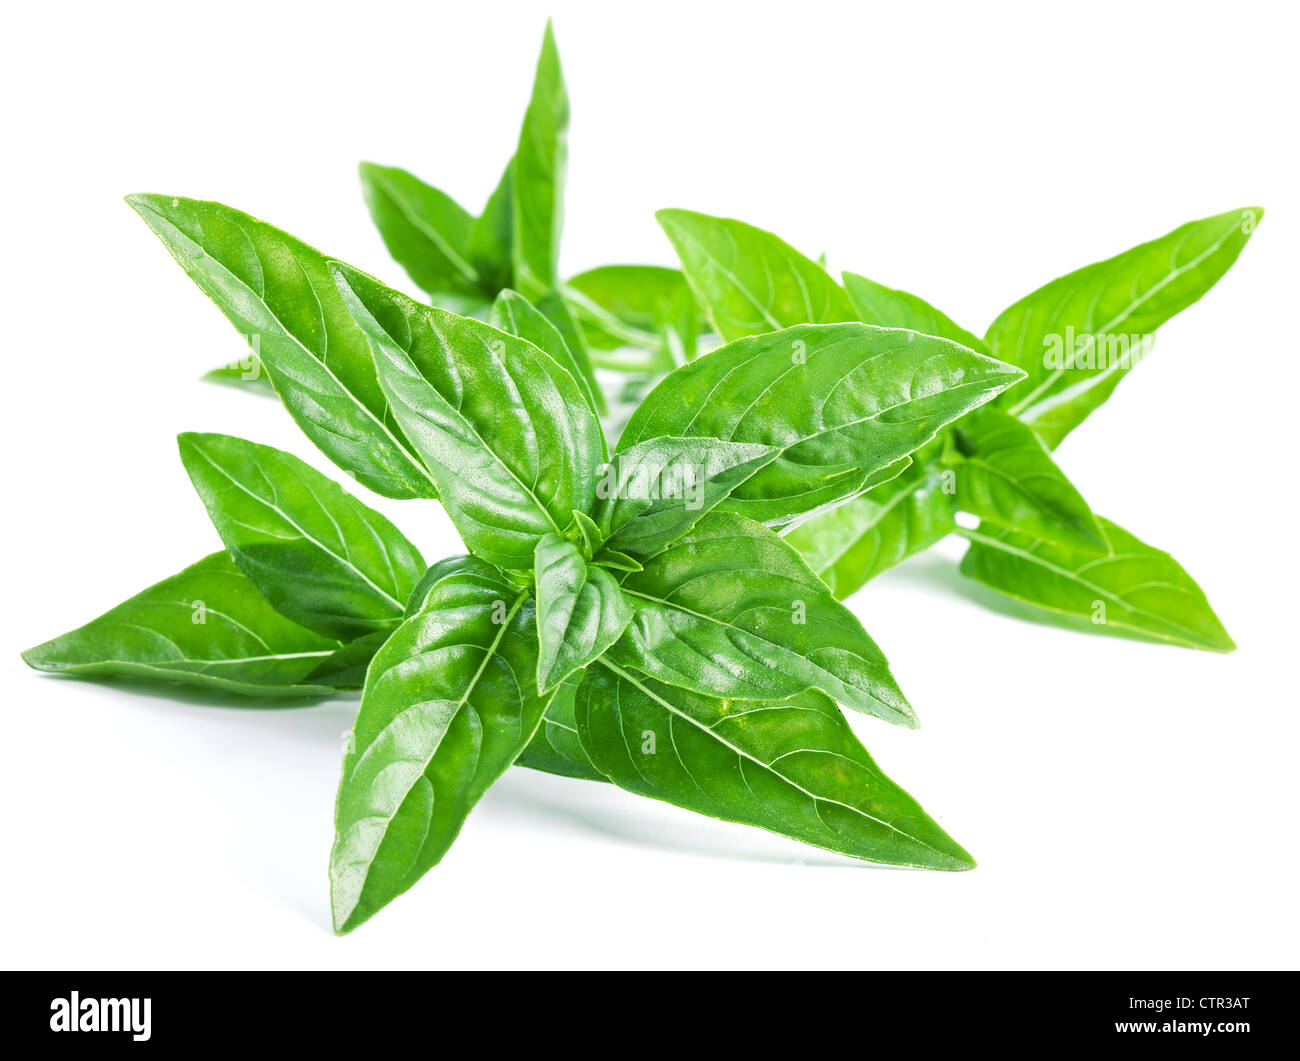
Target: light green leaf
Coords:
[[750, 281], [793, 767], [890, 308], [731, 610], [1078, 336], [1135, 589], [845, 404], [279, 293], [1005, 475], [580, 611], [538, 172], [207, 626], [636, 317], [515, 314], [502, 428], [316, 553], [849, 545], [449, 703], [425, 230], [657, 490]]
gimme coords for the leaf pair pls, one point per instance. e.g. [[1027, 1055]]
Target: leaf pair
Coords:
[[1075, 339]]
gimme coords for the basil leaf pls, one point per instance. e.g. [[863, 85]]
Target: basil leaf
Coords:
[[580, 611], [1136, 589], [750, 281], [657, 490], [1078, 336], [555, 307], [278, 292], [346, 667], [207, 626], [636, 317], [845, 404], [448, 704], [890, 308], [849, 545], [425, 230], [246, 373], [555, 748], [317, 554], [514, 314], [537, 177], [793, 767], [492, 236], [502, 428], [1007, 476], [731, 610]]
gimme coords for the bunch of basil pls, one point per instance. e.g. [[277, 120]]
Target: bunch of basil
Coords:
[[662, 614]]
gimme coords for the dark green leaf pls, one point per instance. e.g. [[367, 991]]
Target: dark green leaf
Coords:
[[502, 428], [449, 703], [425, 230], [793, 767], [555, 748], [207, 626], [1135, 589], [580, 611], [555, 307], [280, 295], [1078, 336], [731, 610], [491, 237], [1007, 476], [750, 281], [845, 403], [346, 668], [655, 491], [890, 308], [316, 553]]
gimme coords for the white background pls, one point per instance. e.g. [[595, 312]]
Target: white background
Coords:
[[1131, 805]]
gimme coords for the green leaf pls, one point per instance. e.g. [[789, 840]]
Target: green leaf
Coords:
[[750, 281], [449, 703], [890, 308], [279, 293], [636, 317], [845, 403], [657, 490], [538, 172], [1078, 336], [514, 314], [492, 236], [1007, 476], [207, 626], [247, 374], [555, 748], [731, 610], [502, 428], [426, 231], [793, 767], [853, 543], [346, 667], [1135, 589], [317, 554], [580, 611], [555, 307]]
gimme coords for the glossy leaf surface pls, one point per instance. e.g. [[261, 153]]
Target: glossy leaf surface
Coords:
[[750, 281], [502, 428], [449, 703], [580, 610], [555, 748], [207, 626], [793, 767], [845, 404], [732, 610], [280, 295], [316, 553], [515, 314], [1135, 589], [1078, 336]]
